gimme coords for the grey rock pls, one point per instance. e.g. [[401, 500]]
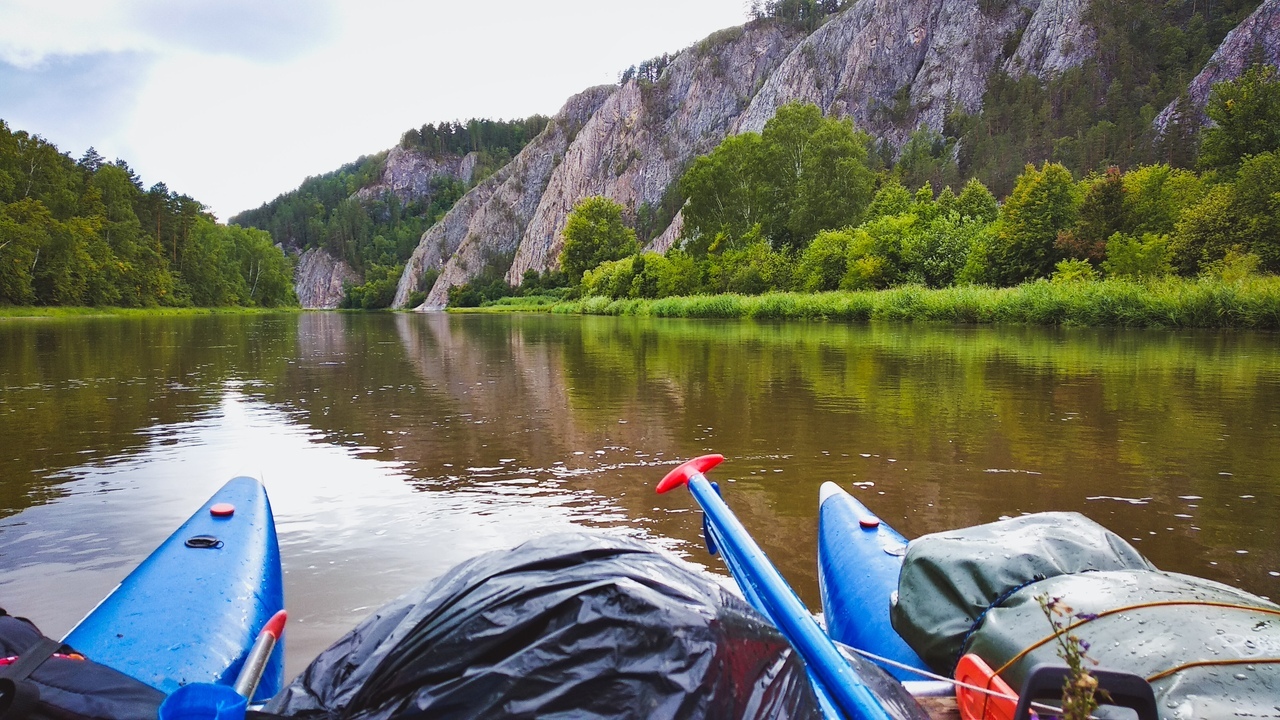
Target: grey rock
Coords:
[[408, 174], [490, 219], [1258, 35], [319, 277]]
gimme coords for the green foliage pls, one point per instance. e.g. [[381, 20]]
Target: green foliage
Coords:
[[476, 135], [1073, 270], [1102, 214], [750, 270], [891, 199], [1099, 114], [803, 174], [1155, 196], [1256, 201], [1246, 302], [806, 15], [594, 233], [1043, 203], [377, 291], [374, 235], [1206, 231], [725, 198], [976, 202], [1241, 217], [86, 233], [1136, 258], [928, 158], [824, 263], [1246, 117]]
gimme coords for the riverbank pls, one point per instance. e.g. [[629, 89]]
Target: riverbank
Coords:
[[1252, 303], [22, 311]]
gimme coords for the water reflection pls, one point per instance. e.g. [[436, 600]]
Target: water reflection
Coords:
[[394, 446]]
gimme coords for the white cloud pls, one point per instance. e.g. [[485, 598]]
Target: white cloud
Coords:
[[236, 101]]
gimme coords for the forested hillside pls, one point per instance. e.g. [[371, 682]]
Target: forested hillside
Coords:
[[87, 233], [793, 208], [359, 213], [1098, 114]]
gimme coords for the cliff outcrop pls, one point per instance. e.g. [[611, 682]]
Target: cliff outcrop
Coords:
[[1257, 38], [490, 220], [319, 277], [891, 66], [408, 174]]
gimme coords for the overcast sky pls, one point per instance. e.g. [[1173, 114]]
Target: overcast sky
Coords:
[[236, 101]]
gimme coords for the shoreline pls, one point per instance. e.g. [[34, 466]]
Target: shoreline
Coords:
[[1252, 303], [20, 312]]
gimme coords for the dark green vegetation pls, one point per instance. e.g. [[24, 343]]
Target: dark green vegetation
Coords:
[[87, 233], [1175, 303], [376, 236], [1096, 115], [792, 210]]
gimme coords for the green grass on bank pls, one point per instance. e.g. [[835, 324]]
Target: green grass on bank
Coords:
[[1206, 303], [20, 311], [534, 303]]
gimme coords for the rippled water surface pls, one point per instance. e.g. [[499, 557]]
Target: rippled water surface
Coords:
[[394, 446]]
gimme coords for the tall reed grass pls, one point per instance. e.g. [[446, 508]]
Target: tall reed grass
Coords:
[[1206, 303]]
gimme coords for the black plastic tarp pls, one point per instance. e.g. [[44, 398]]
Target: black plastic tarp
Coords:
[[570, 625]]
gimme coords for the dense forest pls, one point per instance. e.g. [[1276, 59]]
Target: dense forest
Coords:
[[1090, 117], [86, 232], [805, 206], [376, 236]]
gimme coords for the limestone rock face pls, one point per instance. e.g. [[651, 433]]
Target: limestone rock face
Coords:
[[644, 134], [894, 66], [408, 174], [1055, 40], [490, 220], [1259, 33], [318, 279]]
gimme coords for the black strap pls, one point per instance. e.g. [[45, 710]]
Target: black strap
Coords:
[[32, 658], [18, 697]]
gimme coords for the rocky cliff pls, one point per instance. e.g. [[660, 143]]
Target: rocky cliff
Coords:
[[1257, 38], [890, 65], [490, 220], [408, 174], [318, 279]]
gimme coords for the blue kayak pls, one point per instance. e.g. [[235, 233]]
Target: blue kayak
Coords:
[[190, 612], [859, 560]]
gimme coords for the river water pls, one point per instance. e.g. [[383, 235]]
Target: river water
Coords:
[[394, 446]]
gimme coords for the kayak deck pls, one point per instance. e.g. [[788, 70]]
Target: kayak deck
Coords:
[[192, 609]]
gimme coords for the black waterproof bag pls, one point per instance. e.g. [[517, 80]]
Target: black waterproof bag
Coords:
[[44, 680], [572, 625]]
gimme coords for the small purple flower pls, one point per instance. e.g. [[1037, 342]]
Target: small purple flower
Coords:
[[1086, 616], [1084, 646]]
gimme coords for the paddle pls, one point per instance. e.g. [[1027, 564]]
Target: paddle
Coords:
[[256, 662], [769, 593]]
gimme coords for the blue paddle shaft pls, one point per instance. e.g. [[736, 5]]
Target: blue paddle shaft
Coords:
[[766, 590]]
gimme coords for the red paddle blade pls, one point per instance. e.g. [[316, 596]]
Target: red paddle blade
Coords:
[[683, 472]]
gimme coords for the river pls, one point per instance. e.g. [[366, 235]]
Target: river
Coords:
[[396, 445]]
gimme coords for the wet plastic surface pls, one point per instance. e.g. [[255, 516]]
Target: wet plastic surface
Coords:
[[567, 625], [949, 579]]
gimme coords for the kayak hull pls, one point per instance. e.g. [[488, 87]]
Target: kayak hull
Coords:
[[859, 560], [190, 614]]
